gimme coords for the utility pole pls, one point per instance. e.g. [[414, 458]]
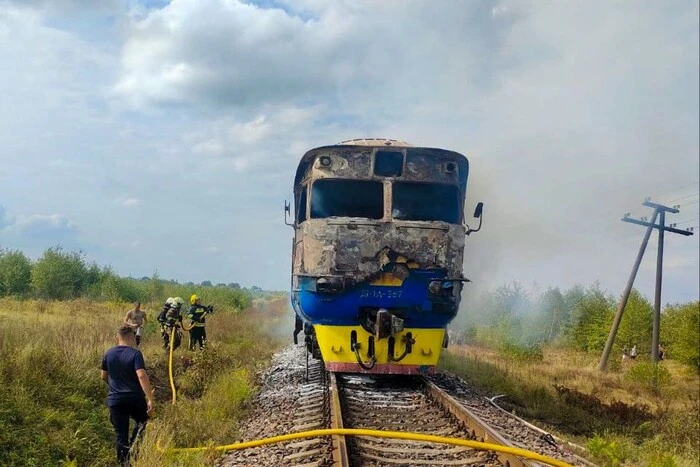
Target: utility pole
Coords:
[[660, 213]]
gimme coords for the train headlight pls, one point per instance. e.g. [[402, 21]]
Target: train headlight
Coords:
[[435, 287], [443, 287], [325, 161], [329, 284]]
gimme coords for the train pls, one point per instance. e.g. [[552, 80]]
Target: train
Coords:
[[377, 254]]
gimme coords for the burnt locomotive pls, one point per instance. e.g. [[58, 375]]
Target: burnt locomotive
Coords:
[[377, 253]]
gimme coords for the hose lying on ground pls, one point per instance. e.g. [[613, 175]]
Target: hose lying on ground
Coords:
[[376, 433]]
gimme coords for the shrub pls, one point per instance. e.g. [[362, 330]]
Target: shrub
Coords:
[[681, 333], [651, 376], [59, 275], [15, 273], [609, 451], [532, 352]]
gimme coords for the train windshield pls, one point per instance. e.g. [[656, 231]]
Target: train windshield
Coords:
[[347, 198], [426, 202]]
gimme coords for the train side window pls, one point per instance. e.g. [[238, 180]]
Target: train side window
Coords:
[[426, 202], [347, 198], [301, 209], [388, 163]]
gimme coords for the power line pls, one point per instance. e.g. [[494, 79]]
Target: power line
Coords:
[[676, 190], [682, 199], [684, 222], [688, 195]]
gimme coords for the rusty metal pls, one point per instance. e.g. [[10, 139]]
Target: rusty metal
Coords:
[[375, 142], [361, 252], [482, 431], [358, 248], [340, 453]]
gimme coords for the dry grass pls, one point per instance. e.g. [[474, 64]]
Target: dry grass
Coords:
[[624, 419], [54, 402], [579, 370]]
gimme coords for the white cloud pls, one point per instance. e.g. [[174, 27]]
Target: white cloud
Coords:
[[204, 107], [252, 131], [38, 223], [127, 202]]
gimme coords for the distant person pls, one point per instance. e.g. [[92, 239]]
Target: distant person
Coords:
[[625, 355], [136, 318], [633, 352], [662, 351], [197, 313], [130, 394]]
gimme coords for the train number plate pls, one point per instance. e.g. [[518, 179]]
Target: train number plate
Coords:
[[380, 294]]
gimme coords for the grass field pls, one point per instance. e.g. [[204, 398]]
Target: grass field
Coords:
[[620, 416], [53, 403]]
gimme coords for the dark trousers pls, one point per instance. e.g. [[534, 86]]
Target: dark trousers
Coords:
[[197, 335], [120, 415], [165, 332]]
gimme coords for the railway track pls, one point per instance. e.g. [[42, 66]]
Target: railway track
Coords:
[[417, 406], [439, 406]]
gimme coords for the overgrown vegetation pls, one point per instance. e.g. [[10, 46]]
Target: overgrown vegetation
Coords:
[[53, 409], [64, 275], [541, 350], [518, 322]]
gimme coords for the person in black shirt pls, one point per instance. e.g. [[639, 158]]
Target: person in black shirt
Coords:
[[130, 394], [196, 313]]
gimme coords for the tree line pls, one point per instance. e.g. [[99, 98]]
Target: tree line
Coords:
[[579, 318], [66, 275]]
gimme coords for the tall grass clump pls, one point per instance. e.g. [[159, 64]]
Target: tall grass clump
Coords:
[[54, 412], [53, 399]]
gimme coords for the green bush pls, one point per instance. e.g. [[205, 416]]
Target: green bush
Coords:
[[635, 327], [532, 352], [609, 451], [680, 328], [15, 273], [113, 288], [649, 375], [59, 275], [591, 316]]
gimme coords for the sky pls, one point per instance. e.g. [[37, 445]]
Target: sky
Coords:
[[164, 135]]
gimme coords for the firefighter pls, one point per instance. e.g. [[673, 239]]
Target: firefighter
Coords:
[[197, 313], [172, 320]]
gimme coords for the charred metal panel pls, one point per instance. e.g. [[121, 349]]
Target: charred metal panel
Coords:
[[344, 164], [422, 164], [360, 249], [426, 165]]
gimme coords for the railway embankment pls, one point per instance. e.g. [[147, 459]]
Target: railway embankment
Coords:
[[618, 417]]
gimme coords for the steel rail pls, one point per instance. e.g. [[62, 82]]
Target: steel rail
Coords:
[[482, 431], [340, 452]]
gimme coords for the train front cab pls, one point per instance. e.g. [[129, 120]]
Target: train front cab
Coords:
[[377, 255]]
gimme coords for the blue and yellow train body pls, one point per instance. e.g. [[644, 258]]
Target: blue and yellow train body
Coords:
[[377, 254]]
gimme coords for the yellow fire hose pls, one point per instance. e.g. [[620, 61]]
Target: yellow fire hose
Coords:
[[379, 434], [170, 363], [353, 432]]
